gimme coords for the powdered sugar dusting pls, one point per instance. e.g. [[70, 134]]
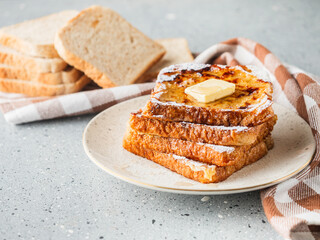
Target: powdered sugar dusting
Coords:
[[155, 100], [208, 170], [166, 78], [214, 127], [200, 166], [258, 72], [221, 128], [178, 67], [185, 66], [263, 104], [218, 148]]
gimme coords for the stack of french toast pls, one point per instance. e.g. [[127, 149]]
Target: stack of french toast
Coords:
[[204, 121]]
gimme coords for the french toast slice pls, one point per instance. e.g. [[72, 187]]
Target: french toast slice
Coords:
[[249, 105], [198, 171], [202, 152], [219, 135]]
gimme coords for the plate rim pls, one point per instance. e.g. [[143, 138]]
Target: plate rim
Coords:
[[181, 190]]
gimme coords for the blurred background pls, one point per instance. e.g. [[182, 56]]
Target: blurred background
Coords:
[[289, 28]]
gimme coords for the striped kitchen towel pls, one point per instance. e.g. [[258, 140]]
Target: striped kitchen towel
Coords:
[[18, 108], [292, 207]]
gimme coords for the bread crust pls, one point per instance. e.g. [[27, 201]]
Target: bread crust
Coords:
[[206, 153], [68, 75], [190, 169], [88, 68], [200, 132], [38, 51], [41, 65], [201, 115], [36, 89], [9, 39], [250, 105]]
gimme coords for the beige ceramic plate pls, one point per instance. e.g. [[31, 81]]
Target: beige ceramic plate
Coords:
[[102, 141]]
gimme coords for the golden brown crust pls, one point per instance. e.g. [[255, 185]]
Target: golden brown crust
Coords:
[[206, 174], [47, 51], [205, 116], [249, 105], [94, 73], [201, 132], [206, 153]]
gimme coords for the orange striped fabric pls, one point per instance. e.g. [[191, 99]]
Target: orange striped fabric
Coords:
[[18, 108], [292, 207]]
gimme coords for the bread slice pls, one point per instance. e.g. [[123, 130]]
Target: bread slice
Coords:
[[202, 133], [33, 89], [36, 37], [177, 51], [68, 75], [11, 57], [202, 152], [249, 105], [198, 171], [103, 45]]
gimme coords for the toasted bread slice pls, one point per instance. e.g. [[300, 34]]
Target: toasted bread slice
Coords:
[[35, 37], [11, 57], [202, 133], [177, 51], [34, 89], [203, 152], [68, 75], [249, 105], [103, 45], [198, 171]]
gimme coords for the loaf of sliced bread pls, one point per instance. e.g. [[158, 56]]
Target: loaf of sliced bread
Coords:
[[177, 51], [108, 49], [14, 58], [34, 89], [36, 37], [68, 75]]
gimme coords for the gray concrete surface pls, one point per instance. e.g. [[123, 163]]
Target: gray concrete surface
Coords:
[[49, 189]]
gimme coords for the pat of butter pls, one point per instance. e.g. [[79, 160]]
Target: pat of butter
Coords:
[[210, 90]]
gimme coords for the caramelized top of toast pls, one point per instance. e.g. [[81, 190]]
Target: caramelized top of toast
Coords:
[[253, 89]]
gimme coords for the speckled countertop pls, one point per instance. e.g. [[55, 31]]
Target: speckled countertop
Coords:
[[49, 189]]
